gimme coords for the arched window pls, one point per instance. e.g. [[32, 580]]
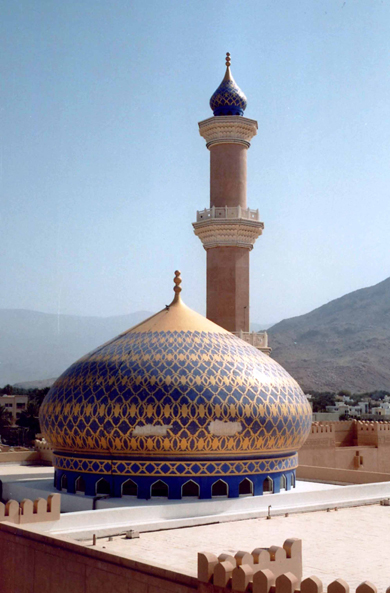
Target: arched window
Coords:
[[283, 482], [219, 488], [268, 485], [190, 488], [102, 486], [129, 488], [80, 485], [64, 483], [292, 480], [159, 489], [245, 488]]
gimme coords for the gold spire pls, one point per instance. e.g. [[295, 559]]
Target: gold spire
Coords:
[[228, 75], [177, 288], [177, 317]]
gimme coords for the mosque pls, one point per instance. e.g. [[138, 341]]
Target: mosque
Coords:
[[181, 406]]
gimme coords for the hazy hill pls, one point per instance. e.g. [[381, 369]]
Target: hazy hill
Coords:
[[35, 348], [343, 344], [38, 346]]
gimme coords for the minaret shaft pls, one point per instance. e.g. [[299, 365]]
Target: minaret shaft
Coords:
[[228, 287], [228, 175]]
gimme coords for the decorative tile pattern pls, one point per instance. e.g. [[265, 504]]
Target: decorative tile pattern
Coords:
[[228, 99], [180, 380], [175, 468]]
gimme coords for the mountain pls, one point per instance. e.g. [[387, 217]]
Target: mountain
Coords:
[[38, 346], [257, 327], [344, 344]]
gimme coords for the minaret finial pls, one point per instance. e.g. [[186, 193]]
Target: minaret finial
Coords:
[[228, 59]]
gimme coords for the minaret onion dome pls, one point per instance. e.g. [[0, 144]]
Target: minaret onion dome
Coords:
[[228, 99]]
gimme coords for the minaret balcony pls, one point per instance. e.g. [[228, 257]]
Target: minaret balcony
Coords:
[[257, 339], [228, 227], [227, 212]]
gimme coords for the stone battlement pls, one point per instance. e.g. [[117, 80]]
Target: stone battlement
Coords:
[[266, 570], [350, 445], [373, 425], [349, 432], [266, 582], [243, 569], [316, 427], [29, 511]]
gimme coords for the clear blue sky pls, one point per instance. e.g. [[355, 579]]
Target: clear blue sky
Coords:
[[103, 168]]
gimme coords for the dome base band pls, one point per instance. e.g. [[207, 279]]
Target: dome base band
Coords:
[[174, 479]]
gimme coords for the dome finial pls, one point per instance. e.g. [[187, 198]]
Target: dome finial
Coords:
[[228, 60], [177, 288]]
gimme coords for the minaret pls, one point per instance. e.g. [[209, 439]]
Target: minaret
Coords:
[[229, 229]]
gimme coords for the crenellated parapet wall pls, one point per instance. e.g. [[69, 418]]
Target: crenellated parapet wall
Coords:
[[29, 511], [318, 427], [266, 570], [350, 445], [245, 570], [373, 433], [265, 581], [322, 435], [349, 433]]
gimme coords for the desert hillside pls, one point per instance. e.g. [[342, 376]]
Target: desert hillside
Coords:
[[343, 344]]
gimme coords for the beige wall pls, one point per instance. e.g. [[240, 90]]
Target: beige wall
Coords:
[[343, 476], [349, 445], [20, 456], [36, 563]]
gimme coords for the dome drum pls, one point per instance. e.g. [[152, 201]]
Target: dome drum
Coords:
[[205, 487]]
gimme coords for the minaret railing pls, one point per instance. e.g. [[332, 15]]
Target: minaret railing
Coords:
[[227, 212]]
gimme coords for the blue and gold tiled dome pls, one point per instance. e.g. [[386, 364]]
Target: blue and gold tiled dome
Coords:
[[228, 99], [175, 406]]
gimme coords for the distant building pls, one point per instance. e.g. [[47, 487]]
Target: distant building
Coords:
[[342, 408], [15, 404]]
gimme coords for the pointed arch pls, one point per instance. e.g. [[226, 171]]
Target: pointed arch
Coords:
[[190, 488], [102, 487], [283, 482], [80, 485], [64, 483], [220, 488], [159, 490], [268, 485], [129, 488], [245, 487]]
